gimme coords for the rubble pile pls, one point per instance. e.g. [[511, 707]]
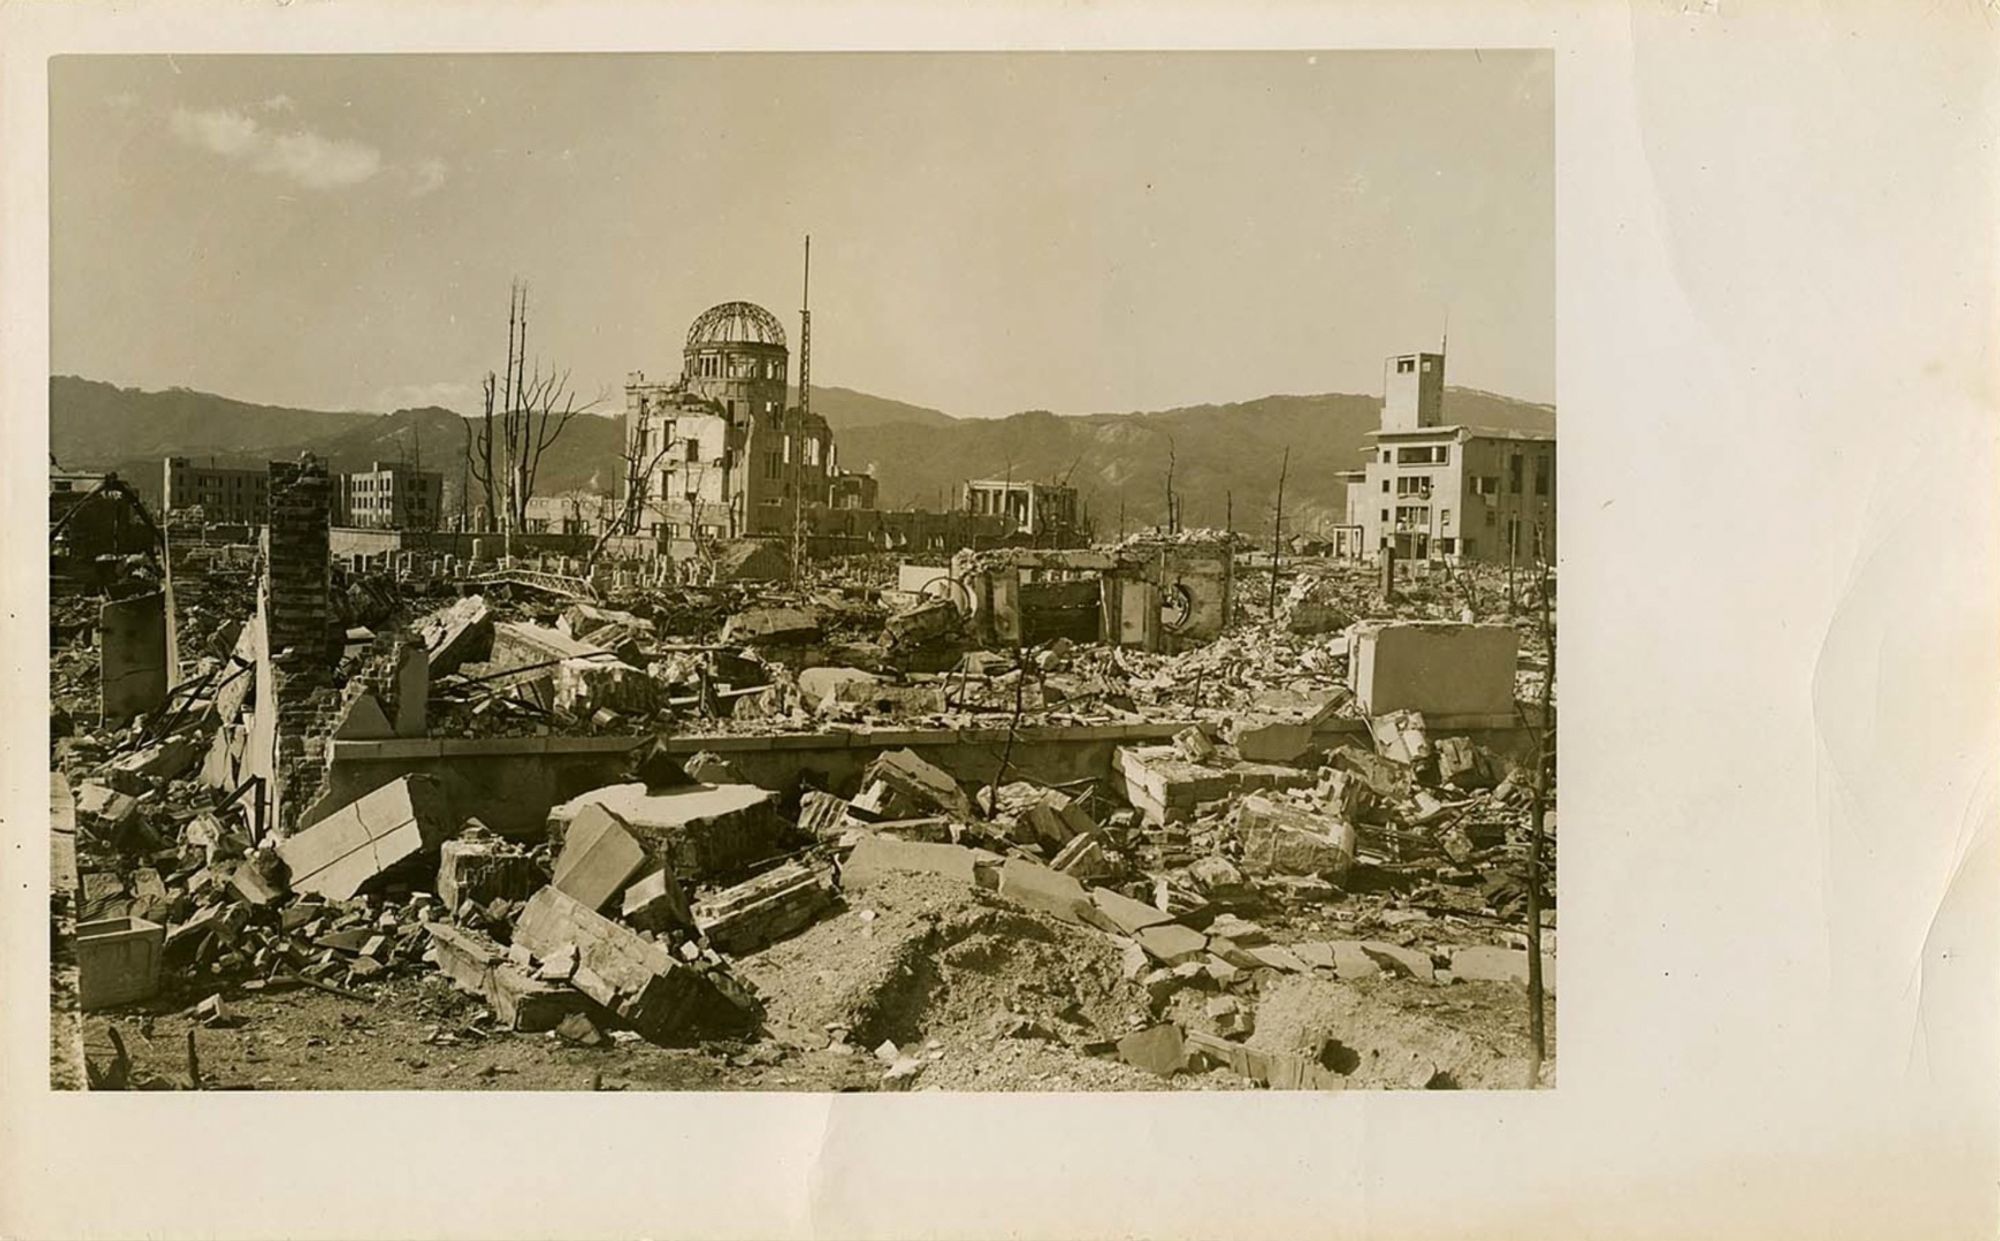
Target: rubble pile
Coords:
[[1274, 883]]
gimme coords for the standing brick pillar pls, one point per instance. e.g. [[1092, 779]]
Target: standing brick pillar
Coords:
[[298, 611], [298, 566]]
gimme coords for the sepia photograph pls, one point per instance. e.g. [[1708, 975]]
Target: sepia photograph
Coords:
[[835, 571]]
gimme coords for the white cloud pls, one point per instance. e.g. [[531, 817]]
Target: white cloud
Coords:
[[280, 102], [218, 129], [428, 175], [320, 163], [311, 159]]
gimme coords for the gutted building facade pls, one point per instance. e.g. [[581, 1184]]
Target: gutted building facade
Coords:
[[222, 493], [1048, 514], [388, 496]]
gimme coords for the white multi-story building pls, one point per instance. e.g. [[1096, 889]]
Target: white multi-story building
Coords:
[[1434, 491]]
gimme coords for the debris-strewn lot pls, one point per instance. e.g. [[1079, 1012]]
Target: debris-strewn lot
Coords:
[[1312, 874]]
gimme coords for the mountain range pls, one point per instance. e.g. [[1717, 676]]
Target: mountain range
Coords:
[[1225, 459]]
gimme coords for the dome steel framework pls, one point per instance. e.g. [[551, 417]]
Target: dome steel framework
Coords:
[[736, 323]]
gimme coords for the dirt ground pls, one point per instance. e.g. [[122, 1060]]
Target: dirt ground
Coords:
[[978, 994]]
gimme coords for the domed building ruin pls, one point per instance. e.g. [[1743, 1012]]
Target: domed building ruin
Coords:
[[719, 452]]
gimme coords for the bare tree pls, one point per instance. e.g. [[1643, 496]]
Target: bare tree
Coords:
[[533, 408], [1170, 485], [640, 471]]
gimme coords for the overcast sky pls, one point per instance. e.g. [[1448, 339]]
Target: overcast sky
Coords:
[[991, 233]]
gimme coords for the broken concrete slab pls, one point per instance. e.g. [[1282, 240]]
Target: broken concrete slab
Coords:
[[1271, 741], [166, 760], [874, 857], [926, 624], [349, 850], [656, 903], [765, 909], [1398, 960], [1170, 943], [1049, 891], [1126, 916], [663, 998], [1490, 963], [820, 686], [599, 857], [1084, 858], [1157, 1049], [1282, 839], [696, 829], [822, 815], [771, 627], [920, 787], [481, 967], [457, 634], [1401, 737]]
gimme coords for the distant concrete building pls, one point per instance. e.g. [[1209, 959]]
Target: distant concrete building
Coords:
[[1438, 492], [1044, 512], [847, 490], [571, 512], [716, 453], [389, 497], [223, 494]]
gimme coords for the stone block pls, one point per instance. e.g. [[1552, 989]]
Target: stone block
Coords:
[[1282, 839], [696, 830], [919, 787], [1434, 667], [1084, 858], [656, 903], [822, 815], [640, 980], [599, 857], [765, 909], [347, 851], [481, 967], [478, 866]]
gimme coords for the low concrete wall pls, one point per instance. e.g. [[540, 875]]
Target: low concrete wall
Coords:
[[509, 783]]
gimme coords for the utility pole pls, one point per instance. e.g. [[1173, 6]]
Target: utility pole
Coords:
[[1537, 819], [1278, 528]]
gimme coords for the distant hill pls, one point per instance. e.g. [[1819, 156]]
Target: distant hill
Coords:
[[847, 410], [94, 423], [1226, 457]]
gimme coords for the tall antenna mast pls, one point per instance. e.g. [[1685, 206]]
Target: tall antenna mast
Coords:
[[806, 334], [805, 415]]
